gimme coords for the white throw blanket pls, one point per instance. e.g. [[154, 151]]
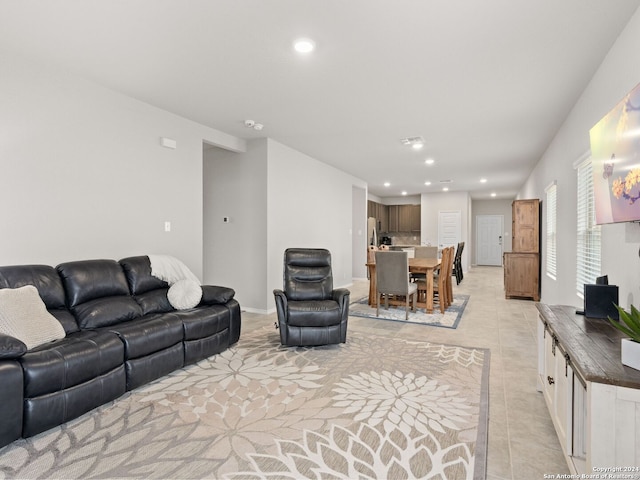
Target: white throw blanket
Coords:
[[170, 269]]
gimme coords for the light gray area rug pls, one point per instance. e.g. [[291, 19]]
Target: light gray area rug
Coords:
[[375, 407], [449, 319]]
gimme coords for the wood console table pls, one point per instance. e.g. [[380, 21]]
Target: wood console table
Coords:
[[593, 399]]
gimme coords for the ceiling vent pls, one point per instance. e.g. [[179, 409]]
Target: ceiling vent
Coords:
[[445, 181]]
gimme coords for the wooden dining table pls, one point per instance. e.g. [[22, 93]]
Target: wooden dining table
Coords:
[[416, 265]]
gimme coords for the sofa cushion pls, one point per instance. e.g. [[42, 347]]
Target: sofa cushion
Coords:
[[184, 294], [149, 334], [86, 280], [43, 277], [203, 322], [46, 279], [150, 292], [104, 312], [138, 273], [66, 319], [154, 301], [98, 293], [23, 315], [65, 363]]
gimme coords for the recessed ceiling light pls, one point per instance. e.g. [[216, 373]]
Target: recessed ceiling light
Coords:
[[404, 192], [483, 180], [429, 161], [493, 194], [304, 45], [417, 146], [387, 184], [445, 189], [427, 183]]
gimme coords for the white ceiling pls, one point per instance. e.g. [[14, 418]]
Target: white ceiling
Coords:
[[487, 83]]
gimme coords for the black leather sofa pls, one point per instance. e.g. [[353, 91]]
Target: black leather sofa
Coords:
[[121, 333]]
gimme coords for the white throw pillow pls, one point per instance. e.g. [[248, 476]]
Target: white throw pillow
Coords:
[[23, 315], [184, 294]]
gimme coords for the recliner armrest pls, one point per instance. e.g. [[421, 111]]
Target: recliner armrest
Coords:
[[11, 347], [280, 296], [215, 295], [281, 310], [341, 295]]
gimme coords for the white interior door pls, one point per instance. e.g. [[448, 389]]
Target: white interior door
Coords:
[[449, 228], [489, 239]]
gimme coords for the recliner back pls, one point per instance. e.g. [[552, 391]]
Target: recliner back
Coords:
[[307, 274]]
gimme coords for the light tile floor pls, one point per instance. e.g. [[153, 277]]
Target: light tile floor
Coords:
[[522, 441]]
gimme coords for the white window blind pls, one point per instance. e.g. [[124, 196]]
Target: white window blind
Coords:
[[551, 193], [588, 233]]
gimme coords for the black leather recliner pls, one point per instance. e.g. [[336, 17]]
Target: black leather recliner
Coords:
[[310, 312]]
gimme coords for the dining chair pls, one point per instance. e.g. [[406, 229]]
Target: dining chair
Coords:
[[442, 289], [371, 253], [426, 252], [392, 278], [457, 264], [423, 252], [371, 257]]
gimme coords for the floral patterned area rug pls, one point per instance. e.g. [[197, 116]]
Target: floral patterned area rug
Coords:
[[449, 319], [373, 408]]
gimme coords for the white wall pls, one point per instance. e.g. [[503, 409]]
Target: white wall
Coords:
[[616, 76], [84, 176], [432, 204], [309, 204], [235, 186], [359, 240], [275, 198]]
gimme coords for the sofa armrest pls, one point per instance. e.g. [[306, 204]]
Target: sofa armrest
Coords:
[[11, 347], [214, 295], [11, 400]]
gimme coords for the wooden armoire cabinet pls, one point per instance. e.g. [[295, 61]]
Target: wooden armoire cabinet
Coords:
[[522, 264]]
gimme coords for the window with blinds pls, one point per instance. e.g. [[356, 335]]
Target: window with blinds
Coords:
[[551, 194], [588, 233]]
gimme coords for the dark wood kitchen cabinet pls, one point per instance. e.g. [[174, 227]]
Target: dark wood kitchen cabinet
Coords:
[[395, 218]]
